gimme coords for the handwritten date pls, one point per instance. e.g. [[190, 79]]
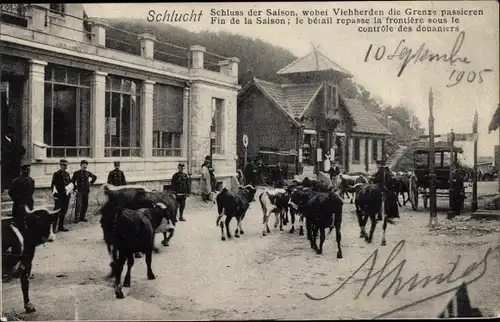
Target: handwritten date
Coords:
[[406, 55], [456, 76]]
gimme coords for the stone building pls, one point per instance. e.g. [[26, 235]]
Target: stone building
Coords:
[[304, 107], [70, 96]]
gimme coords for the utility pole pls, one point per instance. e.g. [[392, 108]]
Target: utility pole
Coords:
[[473, 205], [451, 139], [318, 121], [432, 171]]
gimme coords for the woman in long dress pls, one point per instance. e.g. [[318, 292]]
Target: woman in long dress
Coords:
[[327, 163], [206, 185]]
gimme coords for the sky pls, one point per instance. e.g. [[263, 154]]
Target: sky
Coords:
[[454, 106]]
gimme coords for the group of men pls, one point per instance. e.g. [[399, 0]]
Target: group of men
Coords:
[[22, 190], [63, 186]]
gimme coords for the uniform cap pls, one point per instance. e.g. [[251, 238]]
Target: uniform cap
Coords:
[[25, 164], [180, 164], [63, 161], [116, 163], [84, 162]]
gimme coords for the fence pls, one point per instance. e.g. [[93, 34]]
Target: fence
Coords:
[[117, 37]]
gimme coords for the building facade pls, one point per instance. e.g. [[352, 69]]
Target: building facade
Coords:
[[304, 113], [69, 96]]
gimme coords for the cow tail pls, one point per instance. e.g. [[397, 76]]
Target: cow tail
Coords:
[[220, 205], [262, 206]]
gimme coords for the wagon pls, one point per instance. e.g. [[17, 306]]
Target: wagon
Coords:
[[270, 160], [419, 180]]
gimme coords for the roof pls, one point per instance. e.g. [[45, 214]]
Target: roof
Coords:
[[364, 120], [495, 120], [292, 98], [314, 61]]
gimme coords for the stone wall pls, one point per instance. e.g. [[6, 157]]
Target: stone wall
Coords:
[[201, 119], [70, 49]]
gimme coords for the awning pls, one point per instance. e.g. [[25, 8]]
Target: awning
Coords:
[[307, 131], [339, 134]]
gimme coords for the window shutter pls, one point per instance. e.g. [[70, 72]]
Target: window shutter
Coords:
[[168, 108]]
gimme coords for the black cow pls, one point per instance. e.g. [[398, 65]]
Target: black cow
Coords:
[[321, 210], [274, 201], [156, 215], [368, 205], [402, 185], [346, 182], [314, 185], [230, 204], [127, 232], [137, 197], [18, 246]]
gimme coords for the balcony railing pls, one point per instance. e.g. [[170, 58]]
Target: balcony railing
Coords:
[[14, 14], [116, 38]]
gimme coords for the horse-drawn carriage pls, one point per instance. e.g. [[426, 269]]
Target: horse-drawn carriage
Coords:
[[444, 158]]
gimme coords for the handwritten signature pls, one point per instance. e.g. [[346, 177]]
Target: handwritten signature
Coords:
[[398, 283]]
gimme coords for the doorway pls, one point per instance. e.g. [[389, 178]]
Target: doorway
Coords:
[[11, 100], [11, 92]]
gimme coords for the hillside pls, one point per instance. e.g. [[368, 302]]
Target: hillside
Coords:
[[261, 58]]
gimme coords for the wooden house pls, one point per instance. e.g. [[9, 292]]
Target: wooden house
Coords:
[[304, 113]]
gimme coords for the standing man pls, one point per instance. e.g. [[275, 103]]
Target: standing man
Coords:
[[61, 180], [21, 192], [250, 173], [383, 179], [334, 172], [116, 177], [211, 171], [180, 185], [457, 193], [206, 186], [12, 154], [82, 185]]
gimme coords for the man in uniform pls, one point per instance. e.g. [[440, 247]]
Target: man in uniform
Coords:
[[180, 185], [82, 186], [457, 193], [21, 192], [60, 180], [116, 177], [383, 179]]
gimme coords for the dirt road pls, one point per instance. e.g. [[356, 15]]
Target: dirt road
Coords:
[[254, 277]]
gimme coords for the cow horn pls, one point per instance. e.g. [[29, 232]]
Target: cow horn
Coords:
[[161, 205], [28, 210], [53, 212]]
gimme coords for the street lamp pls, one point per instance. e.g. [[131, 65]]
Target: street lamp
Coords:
[[389, 117]]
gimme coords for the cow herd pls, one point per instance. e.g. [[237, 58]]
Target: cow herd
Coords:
[[317, 204], [132, 215]]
